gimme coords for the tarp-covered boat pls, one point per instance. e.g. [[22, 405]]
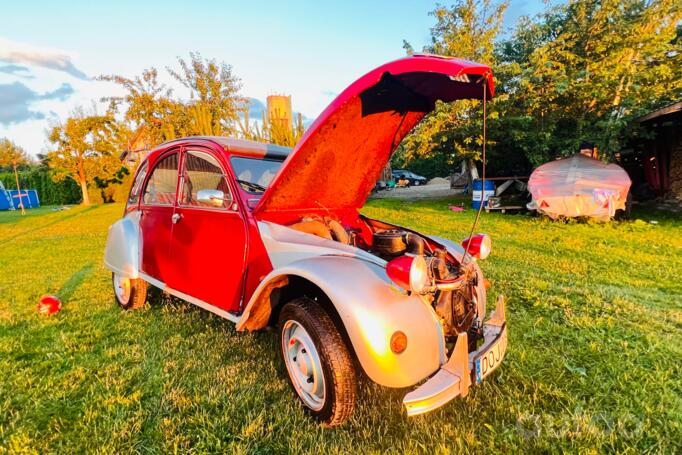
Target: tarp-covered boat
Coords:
[[579, 186]]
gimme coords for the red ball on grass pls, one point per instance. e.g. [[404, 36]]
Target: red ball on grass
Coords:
[[49, 304]]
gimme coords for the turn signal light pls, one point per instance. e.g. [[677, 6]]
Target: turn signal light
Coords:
[[478, 245], [398, 342], [409, 272]]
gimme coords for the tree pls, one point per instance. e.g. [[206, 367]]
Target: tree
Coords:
[[153, 110], [11, 155], [468, 30], [273, 131], [86, 147], [149, 107], [214, 94], [582, 71], [578, 72]]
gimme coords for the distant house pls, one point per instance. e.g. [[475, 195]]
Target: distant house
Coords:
[[137, 148], [655, 163]]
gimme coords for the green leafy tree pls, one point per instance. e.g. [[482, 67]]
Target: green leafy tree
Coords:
[[468, 30], [582, 71], [578, 72], [86, 149]]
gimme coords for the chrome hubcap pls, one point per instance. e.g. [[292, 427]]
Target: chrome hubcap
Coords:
[[303, 364], [122, 288]]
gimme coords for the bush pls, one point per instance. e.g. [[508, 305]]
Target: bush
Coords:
[[49, 192], [96, 195], [118, 192]]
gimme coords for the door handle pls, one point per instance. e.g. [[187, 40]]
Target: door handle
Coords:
[[176, 217]]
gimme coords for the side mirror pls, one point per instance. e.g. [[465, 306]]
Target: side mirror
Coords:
[[214, 198]]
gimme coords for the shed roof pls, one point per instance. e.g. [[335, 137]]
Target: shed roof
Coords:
[[666, 110]]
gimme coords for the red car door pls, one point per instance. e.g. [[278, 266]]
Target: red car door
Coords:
[[156, 210], [208, 247]]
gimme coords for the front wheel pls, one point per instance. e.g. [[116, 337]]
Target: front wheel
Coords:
[[320, 368], [129, 293]]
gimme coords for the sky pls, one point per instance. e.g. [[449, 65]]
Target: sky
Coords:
[[52, 51]]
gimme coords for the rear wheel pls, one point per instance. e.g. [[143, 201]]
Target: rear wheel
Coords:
[[129, 293], [318, 363]]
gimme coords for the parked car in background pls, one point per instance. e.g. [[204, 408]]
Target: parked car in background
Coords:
[[412, 178], [262, 236]]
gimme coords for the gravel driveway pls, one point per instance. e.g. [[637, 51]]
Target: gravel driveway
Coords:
[[417, 192]]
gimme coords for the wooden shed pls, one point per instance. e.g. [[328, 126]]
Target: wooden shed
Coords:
[[655, 163]]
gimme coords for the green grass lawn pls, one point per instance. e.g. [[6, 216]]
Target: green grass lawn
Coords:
[[594, 361]]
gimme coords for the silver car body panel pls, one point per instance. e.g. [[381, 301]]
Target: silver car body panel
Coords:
[[455, 377], [124, 246], [369, 304]]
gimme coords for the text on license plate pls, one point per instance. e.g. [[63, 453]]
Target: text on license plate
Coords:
[[487, 361]]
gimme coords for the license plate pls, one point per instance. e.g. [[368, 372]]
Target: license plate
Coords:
[[486, 362]]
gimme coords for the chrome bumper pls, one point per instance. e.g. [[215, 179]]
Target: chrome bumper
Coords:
[[455, 376]]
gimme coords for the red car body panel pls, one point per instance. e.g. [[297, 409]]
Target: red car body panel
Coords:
[[214, 255], [156, 228], [341, 155]]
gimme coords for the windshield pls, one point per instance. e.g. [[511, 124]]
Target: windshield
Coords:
[[254, 175]]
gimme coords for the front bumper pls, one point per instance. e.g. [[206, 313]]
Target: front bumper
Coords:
[[455, 376]]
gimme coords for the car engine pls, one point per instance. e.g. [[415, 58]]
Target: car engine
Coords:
[[453, 294], [456, 306]]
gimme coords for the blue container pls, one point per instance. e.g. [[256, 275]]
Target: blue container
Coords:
[[33, 198], [24, 198], [478, 191], [6, 200]]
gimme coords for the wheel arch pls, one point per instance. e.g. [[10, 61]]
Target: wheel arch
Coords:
[[366, 308], [122, 252], [299, 286]]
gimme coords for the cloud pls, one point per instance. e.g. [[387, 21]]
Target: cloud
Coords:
[[16, 70], [28, 54], [61, 94], [16, 98]]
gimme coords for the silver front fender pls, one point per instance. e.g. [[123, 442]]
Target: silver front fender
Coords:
[[122, 253], [372, 308]]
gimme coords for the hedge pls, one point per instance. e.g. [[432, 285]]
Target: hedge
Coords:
[[50, 193]]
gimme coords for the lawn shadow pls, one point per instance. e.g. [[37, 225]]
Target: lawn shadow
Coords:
[[48, 224], [75, 280]]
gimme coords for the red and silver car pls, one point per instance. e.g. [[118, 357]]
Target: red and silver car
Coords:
[[270, 236]]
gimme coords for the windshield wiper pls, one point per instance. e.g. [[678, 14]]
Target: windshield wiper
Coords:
[[251, 185]]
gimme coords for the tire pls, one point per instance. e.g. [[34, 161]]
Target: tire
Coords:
[[417, 183], [626, 213], [329, 392], [129, 294]]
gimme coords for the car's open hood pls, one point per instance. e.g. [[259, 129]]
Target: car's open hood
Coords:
[[338, 160]]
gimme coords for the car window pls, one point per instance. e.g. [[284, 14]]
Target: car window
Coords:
[[254, 175], [202, 171], [137, 185], [160, 189]]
